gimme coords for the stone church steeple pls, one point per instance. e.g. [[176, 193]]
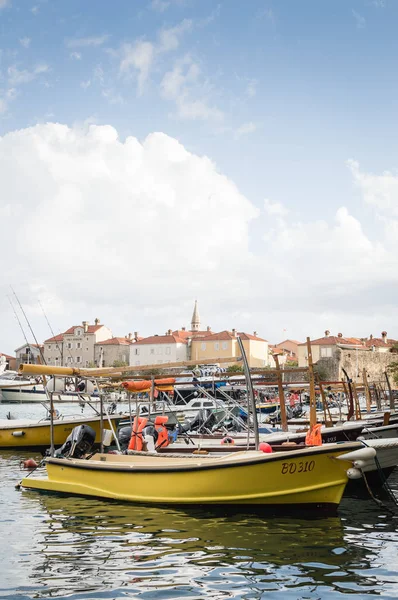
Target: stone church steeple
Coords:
[[195, 323]]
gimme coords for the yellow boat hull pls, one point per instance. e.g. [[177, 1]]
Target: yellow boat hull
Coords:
[[307, 477], [37, 435]]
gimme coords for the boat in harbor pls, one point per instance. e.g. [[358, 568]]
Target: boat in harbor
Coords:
[[304, 477], [36, 434], [312, 477]]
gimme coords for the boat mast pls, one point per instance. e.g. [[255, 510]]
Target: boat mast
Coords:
[[312, 385], [250, 391]]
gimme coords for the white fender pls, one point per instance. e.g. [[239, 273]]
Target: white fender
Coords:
[[354, 473], [360, 464], [365, 453]]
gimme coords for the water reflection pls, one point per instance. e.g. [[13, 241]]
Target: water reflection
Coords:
[[84, 544], [53, 546]]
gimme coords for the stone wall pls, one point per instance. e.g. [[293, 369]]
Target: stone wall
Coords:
[[354, 361]]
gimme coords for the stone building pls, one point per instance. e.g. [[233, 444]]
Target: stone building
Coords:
[[75, 347], [333, 353], [114, 350]]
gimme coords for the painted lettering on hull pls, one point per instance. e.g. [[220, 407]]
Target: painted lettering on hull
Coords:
[[289, 468]]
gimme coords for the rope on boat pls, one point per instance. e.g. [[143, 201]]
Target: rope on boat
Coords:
[[385, 484], [41, 464]]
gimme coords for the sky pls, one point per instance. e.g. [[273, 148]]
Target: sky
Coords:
[[244, 154]]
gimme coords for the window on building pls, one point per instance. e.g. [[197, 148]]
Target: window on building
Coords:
[[152, 351], [87, 349], [78, 359], [168, 350], [224, 345], [326, 352], [203, 346], [78, 345], [159, 350], [69, 345], [216, 345], [136, 351], [49, 347]]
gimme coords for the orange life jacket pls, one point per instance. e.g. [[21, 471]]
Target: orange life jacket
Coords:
[[163, 435], [314, 436], [136, 440]]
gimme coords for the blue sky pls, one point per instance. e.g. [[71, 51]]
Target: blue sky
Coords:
[[278, 94]]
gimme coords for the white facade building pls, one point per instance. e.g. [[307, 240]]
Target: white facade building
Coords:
[[27, 354], [158, 350]]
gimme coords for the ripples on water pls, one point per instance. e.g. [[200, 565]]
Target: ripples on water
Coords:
[[79, 548]]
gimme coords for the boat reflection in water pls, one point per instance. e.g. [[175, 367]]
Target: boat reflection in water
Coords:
[[84, 545]]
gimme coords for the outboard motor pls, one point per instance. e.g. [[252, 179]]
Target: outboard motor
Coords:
[[78, 443]]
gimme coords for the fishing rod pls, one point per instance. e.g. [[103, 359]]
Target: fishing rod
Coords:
[[52, 333], [29, 325], [19, 323]]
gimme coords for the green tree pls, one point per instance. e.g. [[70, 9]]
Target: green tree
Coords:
[[235, 369], [393, 370], [120, 363]]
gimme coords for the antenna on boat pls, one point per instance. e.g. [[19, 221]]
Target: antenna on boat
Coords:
[[29, 325], [250, 390], [19, 322]]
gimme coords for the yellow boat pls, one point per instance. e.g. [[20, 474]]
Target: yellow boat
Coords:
[[310, 477], [21, 434]]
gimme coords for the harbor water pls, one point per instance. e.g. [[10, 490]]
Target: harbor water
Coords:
[[68, 547]]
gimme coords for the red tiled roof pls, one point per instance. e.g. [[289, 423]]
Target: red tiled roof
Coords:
[[221, 336], [379, 343], [116, 341], [292, 341], [90, 329], [56, 338], [228, 335], [6, 355], [332, 340], [248, 336], [191, 334], [161, 339]]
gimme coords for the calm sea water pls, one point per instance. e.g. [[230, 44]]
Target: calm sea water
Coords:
[[60, 547]]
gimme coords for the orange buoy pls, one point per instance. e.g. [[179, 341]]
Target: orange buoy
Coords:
[[30, 463]]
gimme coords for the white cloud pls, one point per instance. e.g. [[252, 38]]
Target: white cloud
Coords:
[[360, 21], [75, 55], [137, 57], [169, 38], [25, 42], [112, 96], [160, 5], [163, 226], [190, 92], [87, 41], [3, 105], [245, 129], [381, 191], [4, 4], [251, 88], [275, 208], [18, 77], [85, 84], [92, 203]]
